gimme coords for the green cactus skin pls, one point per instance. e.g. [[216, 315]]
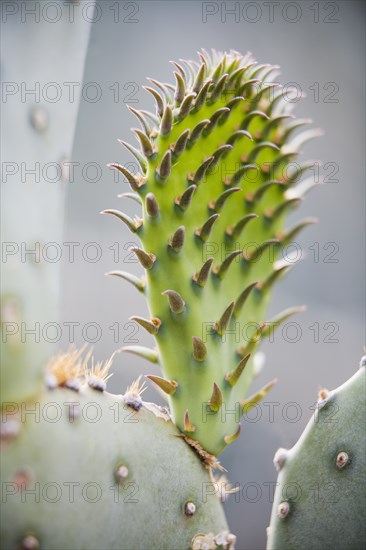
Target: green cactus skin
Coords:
[[125, 458], [328, 464], [215, 186]]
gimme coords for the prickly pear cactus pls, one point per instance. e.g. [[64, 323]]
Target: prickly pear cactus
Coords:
[[82, 468], [218, 175], [319, 502]]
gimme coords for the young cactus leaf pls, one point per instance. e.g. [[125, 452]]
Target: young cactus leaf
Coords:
[[219, 180]]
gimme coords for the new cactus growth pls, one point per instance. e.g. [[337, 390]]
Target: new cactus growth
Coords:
[[218, 173], [319, 500]]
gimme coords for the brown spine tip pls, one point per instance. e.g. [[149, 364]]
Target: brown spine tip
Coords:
[[151, 325], [166, 121], [177, 240], [185, 199], [221, 325], [176, 302], [188, 427], [152, 207], [233, 376], [204, 232], [230, 438], [215, 402], [199, 349], [146, 259], [201, 276], [167, 386]]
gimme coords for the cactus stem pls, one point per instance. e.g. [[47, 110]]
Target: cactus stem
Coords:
[[167, 386], [188, 427], [230, 438], [200, 277], [146, 259], [221, 325], [215, 402], [233, 376], [152, 326], [176, 302], [199, 349], [137, 283]]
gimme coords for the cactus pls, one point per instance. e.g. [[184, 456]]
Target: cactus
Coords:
[[82, 468], [218, 176], [319, 501], [217, 179]]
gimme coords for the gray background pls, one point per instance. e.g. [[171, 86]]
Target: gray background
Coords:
[[125, 52]]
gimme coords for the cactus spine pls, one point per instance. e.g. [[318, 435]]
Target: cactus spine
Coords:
[[215, 186], [319, 500]]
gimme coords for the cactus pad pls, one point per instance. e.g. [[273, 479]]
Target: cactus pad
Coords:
[[319, 501], [218, 173]]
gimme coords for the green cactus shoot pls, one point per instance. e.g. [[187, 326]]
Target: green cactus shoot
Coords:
[[219, 166]]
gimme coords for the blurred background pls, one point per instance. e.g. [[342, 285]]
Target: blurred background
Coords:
[[109, 52]]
